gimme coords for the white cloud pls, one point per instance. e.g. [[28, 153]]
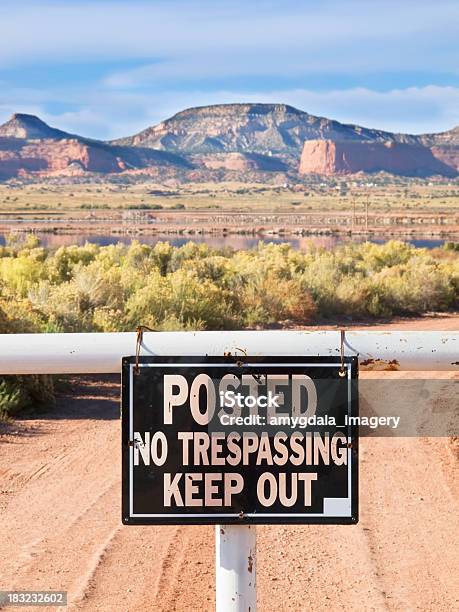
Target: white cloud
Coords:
[[108, 114], [201, 38], [411, 110], [184, 43]]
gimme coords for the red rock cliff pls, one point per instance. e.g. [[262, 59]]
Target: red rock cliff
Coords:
[[331, 157], [53, 156]]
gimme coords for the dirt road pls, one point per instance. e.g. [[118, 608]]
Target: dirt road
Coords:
[[61, 529]]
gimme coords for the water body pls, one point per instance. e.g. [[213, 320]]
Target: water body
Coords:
[[232, 241]]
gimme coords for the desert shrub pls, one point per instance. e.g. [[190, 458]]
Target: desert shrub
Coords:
[[263, 306], [63, 262], [191, 251], [19, 392], [183, 297], [381, 280], [12, 397], [415, 287], [115, 288], [161, 256], [20, 272], [19, 316], [93, 288], [149, 304]]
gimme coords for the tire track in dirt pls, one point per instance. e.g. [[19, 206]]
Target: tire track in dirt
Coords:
[[62, 511], [163, 568], [82, 588], [315, 567], [169, 570], [187, 569], [410, 522]]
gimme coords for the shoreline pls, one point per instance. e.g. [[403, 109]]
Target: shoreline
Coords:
[[183, 231], [261, 223]]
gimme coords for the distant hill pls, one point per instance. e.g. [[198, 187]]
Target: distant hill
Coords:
[[449, 138], [29, 148], [30, 127], [224, 142], [250, 128]]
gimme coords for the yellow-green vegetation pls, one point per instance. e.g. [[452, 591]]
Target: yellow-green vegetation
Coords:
[[117, 287], [18, 392]]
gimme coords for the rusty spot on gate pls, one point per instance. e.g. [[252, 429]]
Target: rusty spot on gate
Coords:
[[380, 364], [250, 566]]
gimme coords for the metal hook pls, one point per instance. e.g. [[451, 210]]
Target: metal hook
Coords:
[[139, 331], [342, 370], [240, 362]]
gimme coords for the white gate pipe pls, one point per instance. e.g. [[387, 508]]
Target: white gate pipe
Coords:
[[102, 352], [236, 568]]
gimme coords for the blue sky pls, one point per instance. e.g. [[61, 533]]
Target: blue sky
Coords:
[[108, 68]]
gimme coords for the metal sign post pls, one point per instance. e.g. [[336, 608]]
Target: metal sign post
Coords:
[[236, 568], [236, 442]]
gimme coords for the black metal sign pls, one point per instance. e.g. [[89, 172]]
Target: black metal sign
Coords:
[[239, 440]]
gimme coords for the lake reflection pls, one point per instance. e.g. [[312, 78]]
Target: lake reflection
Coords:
[[232, 241]]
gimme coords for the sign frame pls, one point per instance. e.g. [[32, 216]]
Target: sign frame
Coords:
[[129, 365]]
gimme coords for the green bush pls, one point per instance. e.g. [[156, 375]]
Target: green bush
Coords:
[[19, 392], [93, 288]]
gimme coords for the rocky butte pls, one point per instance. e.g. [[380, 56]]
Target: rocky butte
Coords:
[[269, 129], [248, 142], [29, 147], [337, 158]]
